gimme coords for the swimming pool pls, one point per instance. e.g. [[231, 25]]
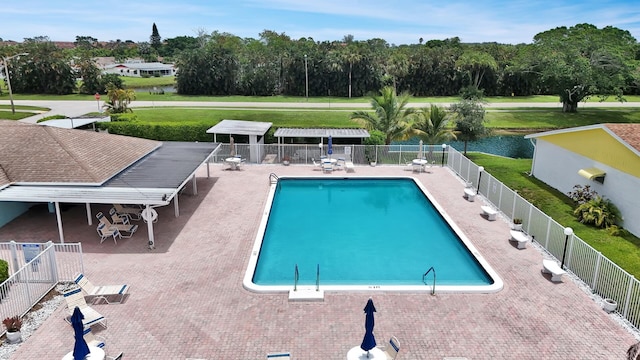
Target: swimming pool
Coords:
[[368, 233]]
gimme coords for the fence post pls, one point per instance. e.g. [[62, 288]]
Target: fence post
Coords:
[[52, 261], [513, 209], [500, 197], [529, 218], [627, 300], [596, 271], [546, 240], [14, 255]]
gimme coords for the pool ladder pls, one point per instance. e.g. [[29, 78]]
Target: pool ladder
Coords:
[[433, 287], [296, 277], [273, 178]]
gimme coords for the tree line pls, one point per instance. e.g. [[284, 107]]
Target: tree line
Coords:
[[573, 63]]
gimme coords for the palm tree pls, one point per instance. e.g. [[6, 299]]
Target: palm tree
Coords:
[[432, 125], [390, 115]]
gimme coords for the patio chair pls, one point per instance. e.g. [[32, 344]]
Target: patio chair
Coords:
[[327, 167], [73, 298], [118, 218], [106, 232], [93, 339], [132, 212], [101, 292], [126, 230], [391, 349]]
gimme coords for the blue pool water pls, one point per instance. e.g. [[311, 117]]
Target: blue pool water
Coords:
[[360, 231]]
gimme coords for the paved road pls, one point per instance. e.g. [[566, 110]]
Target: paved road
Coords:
[[75, 108]]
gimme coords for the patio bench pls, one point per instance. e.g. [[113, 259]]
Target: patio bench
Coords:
[[519, 237], [551, 267], [469, 194], [489, 212]]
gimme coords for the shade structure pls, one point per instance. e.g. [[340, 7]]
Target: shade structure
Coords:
[[420, 155], [330, 146], [80, 349], [369, 341], [232, 147]]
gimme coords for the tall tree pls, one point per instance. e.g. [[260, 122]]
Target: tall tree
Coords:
[[583, 61], [390, 115], [470, 121], [155, 39], [45, 71], [476, 64]]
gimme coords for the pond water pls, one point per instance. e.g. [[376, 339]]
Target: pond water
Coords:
[[156, 89], [513, 146]]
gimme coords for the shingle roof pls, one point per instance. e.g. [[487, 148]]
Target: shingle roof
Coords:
[[41, 154], [630, 133]]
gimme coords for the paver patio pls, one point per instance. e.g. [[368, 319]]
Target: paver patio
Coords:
[[187, 301]]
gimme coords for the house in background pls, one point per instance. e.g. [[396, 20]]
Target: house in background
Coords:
[[140, 69], [604, 156]]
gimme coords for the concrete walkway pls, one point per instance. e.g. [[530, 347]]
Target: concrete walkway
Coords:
[[187, 299]]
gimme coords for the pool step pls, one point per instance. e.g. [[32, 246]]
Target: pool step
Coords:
[[306, 294]]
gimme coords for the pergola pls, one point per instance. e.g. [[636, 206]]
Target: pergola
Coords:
[[254, 129], [321, 134]]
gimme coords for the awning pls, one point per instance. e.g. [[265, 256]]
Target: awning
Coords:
[[592, 173]]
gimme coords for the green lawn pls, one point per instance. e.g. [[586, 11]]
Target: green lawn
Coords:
[[554, 118], [138, 82], [623, 250]]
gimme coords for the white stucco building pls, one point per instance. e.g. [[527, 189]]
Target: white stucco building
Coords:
[[604, 156]]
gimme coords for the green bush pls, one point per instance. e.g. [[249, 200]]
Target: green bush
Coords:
[[166, 131], [4, 270], [124, 117], [599, 211]]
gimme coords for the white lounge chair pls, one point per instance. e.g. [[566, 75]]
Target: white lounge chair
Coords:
[[126, 230], [107, 232], [103, 292], [73, 298], [132, 212], [118, 218], [392, 348]]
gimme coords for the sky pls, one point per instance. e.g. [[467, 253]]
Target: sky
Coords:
[[396, 21]]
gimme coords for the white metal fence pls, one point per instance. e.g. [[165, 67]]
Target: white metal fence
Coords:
[[604, 277], [35, 269], [359, 154]]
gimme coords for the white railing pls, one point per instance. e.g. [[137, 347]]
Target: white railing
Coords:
[[359, 154], [35, 269], [604, 277]]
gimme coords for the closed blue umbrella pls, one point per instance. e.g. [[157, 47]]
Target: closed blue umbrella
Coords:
[[80, 349], [330, 146], [369, 341]]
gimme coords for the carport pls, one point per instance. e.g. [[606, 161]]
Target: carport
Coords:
[[321, 134]]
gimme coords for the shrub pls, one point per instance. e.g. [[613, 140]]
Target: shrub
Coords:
[[599, 211], [581, 194]]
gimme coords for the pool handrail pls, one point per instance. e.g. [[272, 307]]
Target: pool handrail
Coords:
[[433, 288]]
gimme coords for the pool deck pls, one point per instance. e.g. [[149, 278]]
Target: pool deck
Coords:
[[187, 300]]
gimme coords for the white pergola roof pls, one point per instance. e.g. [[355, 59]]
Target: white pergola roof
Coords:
[[69, 123], [240, 127], [322, 133], [93, 195]]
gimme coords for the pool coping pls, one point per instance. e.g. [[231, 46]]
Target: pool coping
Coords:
[[247, 281]]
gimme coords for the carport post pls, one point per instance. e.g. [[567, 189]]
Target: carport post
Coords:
[[176, 208], [152, 241], [195, 186], [89, 220], [59, 219]]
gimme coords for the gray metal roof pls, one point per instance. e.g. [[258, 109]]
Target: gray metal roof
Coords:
[[335, 133], [166, 167], [240, 127], [153, 180]]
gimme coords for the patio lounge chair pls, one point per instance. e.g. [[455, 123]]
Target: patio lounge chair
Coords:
[[107, 232], [391, 350], [101, 292], [132, 212], [118, 218], [74, 297], [126, 230], [92, 339]]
